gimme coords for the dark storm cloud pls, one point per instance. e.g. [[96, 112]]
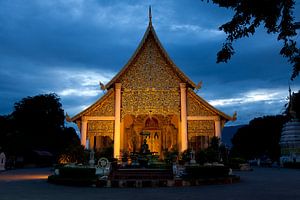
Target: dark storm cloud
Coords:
[[68, 46]]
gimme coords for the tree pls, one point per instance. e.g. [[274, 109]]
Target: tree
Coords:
[[260, 138], [277, 18], [212, 153], [39, 121], [6, 131]]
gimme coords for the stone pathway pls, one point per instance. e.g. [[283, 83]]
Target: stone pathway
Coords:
[[260, 184]]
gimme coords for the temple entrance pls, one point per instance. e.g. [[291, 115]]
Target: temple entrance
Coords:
[[198, 143], [153, 138], [152, 134], [160, 132], [100, 142]]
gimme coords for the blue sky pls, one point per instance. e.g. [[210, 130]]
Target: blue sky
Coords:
[[68, 46]]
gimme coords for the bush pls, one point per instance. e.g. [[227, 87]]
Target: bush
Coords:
[[235, 162], [74, 176], [107, 152], [73, 154], [195, 172], [185, 156], [171, 156], [72, 172]]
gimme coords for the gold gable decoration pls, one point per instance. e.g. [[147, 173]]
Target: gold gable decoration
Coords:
[[145, 102], [201, 128], [105, 108], [150, 85], [150, 70], [151, 43], [195, 108], [101, 128]]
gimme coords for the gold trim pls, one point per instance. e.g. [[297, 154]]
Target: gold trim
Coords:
[[149, 30]]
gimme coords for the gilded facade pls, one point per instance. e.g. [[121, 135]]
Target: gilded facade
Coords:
[[196, 108], [105, 108], [152, 99], [101, 128]]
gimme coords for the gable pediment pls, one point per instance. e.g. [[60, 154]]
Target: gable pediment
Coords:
[[150, 67], [103, 107], [196, 106]]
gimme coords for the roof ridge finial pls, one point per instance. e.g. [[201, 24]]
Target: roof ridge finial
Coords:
[[150, 15]]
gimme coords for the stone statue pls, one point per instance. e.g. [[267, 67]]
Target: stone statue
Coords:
[[92, 158], [192, 155], [2, 161]]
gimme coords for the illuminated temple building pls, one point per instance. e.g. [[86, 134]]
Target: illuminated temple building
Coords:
[[150, 98]]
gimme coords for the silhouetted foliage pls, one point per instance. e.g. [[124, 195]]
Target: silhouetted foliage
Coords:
[[107, 152], [6, 131], [68, 137], [277, 17], [213, 153], [260, 138], [37, 123], [73, 153]]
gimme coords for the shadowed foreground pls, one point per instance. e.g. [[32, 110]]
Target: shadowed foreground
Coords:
[[262, 183]]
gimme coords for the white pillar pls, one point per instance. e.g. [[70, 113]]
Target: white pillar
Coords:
[[83, 131], [218, 128], [117, 142], [184, 140]]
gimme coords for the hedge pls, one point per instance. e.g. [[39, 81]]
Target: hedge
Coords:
[[196, 172]]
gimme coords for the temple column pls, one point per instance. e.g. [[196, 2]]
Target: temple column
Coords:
[[91, 143], [117, 142], [184, 140], [83, 132], [218, 128]]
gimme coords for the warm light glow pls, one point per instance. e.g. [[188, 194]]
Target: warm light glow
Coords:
[[23, 177]]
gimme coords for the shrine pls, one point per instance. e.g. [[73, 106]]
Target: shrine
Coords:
[[150, 100]]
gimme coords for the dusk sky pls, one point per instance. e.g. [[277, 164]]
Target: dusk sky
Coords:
[[67, 46]]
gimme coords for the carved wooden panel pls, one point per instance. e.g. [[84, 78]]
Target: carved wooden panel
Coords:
[[144, 102], [101, 128], [150, 85], [150, 69], [105, 108], [203, 127], [195, 108]]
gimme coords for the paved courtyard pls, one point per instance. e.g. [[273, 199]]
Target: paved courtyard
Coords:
[[262, 183]]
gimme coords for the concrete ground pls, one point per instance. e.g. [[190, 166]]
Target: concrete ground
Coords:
[[260, 184]]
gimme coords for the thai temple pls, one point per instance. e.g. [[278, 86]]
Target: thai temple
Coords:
[[290, 137], [150, 98]]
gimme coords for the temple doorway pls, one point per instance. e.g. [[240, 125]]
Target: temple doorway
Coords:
[[101, 142], [160, 132], [152, 133], [198, 143]]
